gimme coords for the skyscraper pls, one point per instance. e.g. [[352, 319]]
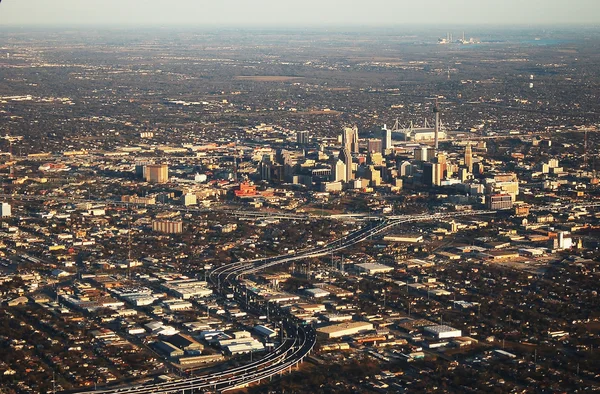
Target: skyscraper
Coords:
[[346, 158], [265, 168], [432, 174], [374, 145], [302, 137], [338, 171], [374, 175], [469, 158], [288, 165], [421, 153], [386, 138], [441, 160], [350, 139], [405, 168], [157, 173]]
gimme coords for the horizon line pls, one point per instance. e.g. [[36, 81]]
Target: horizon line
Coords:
[[373, 26]]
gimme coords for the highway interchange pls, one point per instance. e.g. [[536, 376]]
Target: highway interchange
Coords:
[[297, 340]]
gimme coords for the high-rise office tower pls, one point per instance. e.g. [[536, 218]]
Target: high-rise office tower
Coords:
[[288, 165], [386, 139], [432, 174], [157, 173], [302, 137], [469, 158], [265, 168], [338, 171], [350, 139], [421, 153], [405, 168], [374, 175], [374, 145], [346, 158], [441, 160]]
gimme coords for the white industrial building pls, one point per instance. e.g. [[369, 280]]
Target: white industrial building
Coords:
[[344, 329], [373, 268], [187, 289], [316, 293], [332, 318], [178, 305], [443, 332], [408, 238], [239, 346], [564, 240], [158, 328]]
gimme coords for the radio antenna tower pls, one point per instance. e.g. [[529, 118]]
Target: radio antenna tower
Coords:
[[436, 111]]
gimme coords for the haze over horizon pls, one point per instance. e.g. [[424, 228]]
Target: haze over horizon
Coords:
[[316, 13]]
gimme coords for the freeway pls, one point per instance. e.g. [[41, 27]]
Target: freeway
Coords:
[[375, 226], [233, 271], [298, 343]]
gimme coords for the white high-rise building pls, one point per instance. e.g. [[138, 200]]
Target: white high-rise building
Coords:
[[338, 172], [405, 168], [564, 240], [386, 138]]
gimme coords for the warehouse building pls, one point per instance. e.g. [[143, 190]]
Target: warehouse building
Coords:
[[316, 293], [168, 349], [265, 331], [344, 329], [373, 268], [443, 331], [185, 342]]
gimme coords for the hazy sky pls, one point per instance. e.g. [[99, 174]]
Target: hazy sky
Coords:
[[297, 12]]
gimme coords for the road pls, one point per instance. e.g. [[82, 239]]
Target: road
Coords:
[[233, 271]]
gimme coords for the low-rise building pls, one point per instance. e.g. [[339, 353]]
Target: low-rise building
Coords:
[[443, 331], [344, 329]]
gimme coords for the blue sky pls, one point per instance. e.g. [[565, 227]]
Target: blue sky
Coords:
[[297, 12]]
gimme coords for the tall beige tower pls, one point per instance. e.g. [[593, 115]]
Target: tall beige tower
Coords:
[[157, 173], [469, 158], [346, 157], [350, 139], [338, 171]]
